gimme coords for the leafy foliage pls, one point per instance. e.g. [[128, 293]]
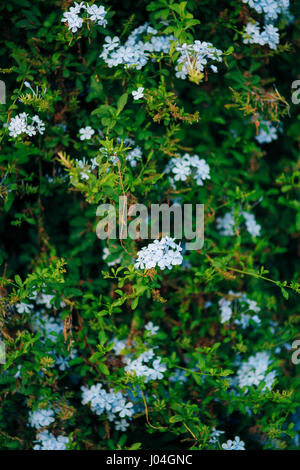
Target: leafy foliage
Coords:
[[54, 270]]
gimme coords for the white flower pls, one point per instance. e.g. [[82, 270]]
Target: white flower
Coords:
[[119, 345], [124, 409], [181, 171], [135, 52], [241, 300], [267, 133], [269, 35], [236, 444], [93, 13], [20, 125], [47, 441], [271, 9], [187, 165], [252, 226], [157, 369], [164, 254], [254, 371], [41, 417], [48, 326], [111, 43], [194, 57], [138, 94], [214, 437], [226, 311], [110, 402], [150, 327], [86, 133], [63, 362], [121, 425], [40, 126], [226, 224], [73, 20], [96, 14], [23, 308]]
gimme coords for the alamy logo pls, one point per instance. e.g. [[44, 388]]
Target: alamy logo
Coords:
[[2, 353], [184, 222], [296, 93], [2, 92], [296, 353]]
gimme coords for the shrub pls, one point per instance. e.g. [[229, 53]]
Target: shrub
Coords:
[[126, 343]]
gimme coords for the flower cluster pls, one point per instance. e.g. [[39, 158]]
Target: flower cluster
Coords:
[[271, 9], [183, 167], [254, 371], [86, 167], [146, 365], [90, 13], [230, 304], [49, 327], [267, 133], [194, 57], [24, 124], [236, 444], [164, 253], [140, 366], [214, 436], [135, 154], [226, 224], [112, 403], [47, 441], [268, 36], [135, 52], [41, 417]]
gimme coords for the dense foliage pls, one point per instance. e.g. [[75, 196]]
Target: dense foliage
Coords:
[[108, 346]]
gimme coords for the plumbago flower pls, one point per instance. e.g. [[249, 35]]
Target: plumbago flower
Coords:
[[180, 168], [151, 328], [271, 9], [226, 224], [41, 417], [267, 133], [93, 13], [236, 444], [22, 307], [24, 124], [112, 403], [86, 133], [269, 35], [138, 94], [47, 441], [214, 436], [164, 253], [234, 303], [141, 366], [135, 154], [194, 58], [142, 43], [254, 371]]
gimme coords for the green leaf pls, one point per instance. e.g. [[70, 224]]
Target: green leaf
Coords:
[[121, 103]]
